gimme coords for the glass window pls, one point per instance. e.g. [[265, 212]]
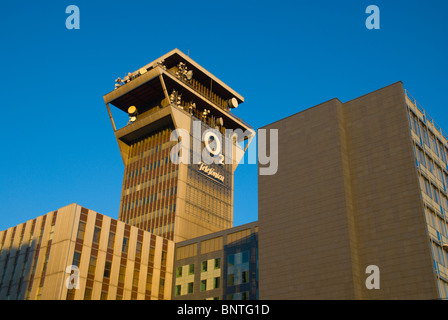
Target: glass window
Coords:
[[107, 268], [136, 277], [122, 273], [96, 235], [149, 282], [424, 133], [81, 230], [124, 247], [164, 254], [203, 285], [420, 156], [151, 254], [178, 290], [231, 260], [216, 282], [217, 263], [110, 243], [204, 266], [190, 287], [191, 269], [88, 294], [71, 294], [179, 272], [245, 276], [245, 257], [92, 265], [231, 279], [76, 258], [138, 250]]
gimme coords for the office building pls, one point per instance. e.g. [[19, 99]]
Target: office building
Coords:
[[77, 254], [431, 154], [218, 266], [356, 210], [132, 258], [178, 201], [359, 184]]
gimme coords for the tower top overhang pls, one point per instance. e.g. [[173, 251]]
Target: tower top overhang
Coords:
[[155, 81]]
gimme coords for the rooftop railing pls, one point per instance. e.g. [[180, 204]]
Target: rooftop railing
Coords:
[[420, 108]]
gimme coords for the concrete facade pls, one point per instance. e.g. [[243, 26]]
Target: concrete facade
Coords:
[[178, 201], [115, 261], [346, 196], [219, 266]]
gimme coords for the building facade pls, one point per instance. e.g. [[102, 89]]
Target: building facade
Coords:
[[178, 148], [352, 192], [359, 184], [430, 144], [77, 254], [180, 151], [218, 266]]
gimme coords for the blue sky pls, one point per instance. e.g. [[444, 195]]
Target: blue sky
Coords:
[[58, 145]]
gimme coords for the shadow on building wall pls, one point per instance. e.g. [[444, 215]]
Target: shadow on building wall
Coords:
[[17, 266]]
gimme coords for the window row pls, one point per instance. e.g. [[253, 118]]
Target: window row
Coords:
[[431, 165], [151, 151], [150, 182], [205, 285], [150, 167], [204, 267], [420, 129], [436, 222], [434, 193]]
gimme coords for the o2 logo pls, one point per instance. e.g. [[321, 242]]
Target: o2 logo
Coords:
[[213, 144]]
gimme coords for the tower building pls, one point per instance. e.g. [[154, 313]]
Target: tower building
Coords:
[[180, 147]]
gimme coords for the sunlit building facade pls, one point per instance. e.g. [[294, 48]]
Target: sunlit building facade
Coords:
[[75, 253], [218, 266], [430, 144], [189, 198], [360, 183]]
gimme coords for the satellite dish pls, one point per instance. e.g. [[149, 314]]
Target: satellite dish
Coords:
[[189, 75], [220, 121], [132, 119], [132, 110], [233, 103]]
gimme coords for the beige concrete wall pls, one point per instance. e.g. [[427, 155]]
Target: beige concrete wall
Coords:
[[63, 241], [304, 244], [386, 197], [345, 196]]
